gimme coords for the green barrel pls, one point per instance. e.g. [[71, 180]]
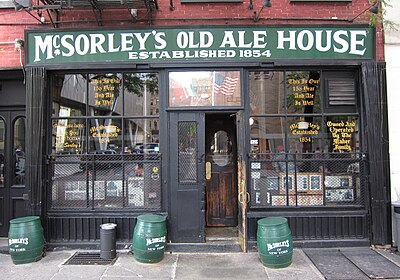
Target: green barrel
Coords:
[[149, 238], [25, 240], [274, 242]]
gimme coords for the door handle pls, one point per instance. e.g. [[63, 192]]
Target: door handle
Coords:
[[240, 197], [244, 197]]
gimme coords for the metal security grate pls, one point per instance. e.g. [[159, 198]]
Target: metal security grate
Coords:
[[86, 258]]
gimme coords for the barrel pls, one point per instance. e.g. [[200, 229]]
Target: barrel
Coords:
[[25, 239], [274, 242], [149, 238]]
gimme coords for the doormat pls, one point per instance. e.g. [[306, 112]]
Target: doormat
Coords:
[[352, 263], [87, 258]]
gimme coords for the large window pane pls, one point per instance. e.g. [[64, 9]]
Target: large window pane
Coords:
[[105, 96], [141, 136], [141, 94], [105, 134], [204, 88], [69, 95], [69, 136], [303, 94], [267, 92]]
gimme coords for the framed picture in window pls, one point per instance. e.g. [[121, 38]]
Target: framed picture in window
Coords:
[[302, 183], [287, 183], [339, 195], [114, 188], [315, 182]]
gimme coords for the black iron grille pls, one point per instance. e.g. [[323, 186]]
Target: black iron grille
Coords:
[[86, 258]]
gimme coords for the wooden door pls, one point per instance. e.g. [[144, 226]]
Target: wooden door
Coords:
[[221, 183]]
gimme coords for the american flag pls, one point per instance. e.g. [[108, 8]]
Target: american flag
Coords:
[[224, 85]]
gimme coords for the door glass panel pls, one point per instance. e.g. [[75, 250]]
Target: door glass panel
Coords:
[[2, 144], [187, 145], [221, 148], [19, 151], [204, 88]]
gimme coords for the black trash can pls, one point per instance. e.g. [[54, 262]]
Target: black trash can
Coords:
[[107, 241]]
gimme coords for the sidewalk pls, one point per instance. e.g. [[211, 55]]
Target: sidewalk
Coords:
[[308, 264]]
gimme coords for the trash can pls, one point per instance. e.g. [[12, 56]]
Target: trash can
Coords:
[[26, 240], [149, 238], [396, 209], [274, 242], [107, 241]]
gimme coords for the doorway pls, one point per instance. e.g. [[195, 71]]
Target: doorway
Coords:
[[221, 175], [203, 176], [12, 167]]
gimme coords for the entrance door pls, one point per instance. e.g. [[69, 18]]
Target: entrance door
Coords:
[[221, 187], [12, 167], [186, 170]]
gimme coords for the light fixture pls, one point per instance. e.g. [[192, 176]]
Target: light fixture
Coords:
[[19, 43], [373, 9], [133, 13], [266, 3]]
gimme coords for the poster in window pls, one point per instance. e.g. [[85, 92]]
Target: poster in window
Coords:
[[287, 183], [339, 195], [136, 191], [99, 190], [302, 183], [114, 188], [315, 182]]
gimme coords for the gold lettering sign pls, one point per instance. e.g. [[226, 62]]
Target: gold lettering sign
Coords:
[[342, 133]]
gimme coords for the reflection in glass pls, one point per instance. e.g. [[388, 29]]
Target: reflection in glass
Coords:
[[69, 95], [105, 94], [303, 94], [105, 134], [221, 148], [267, 134], [141, 94], [204, 88], [141, 136], [19, 151], [267, 92]]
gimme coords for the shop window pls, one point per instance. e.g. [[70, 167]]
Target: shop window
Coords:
[[300, 154], [105, 142], [267, 92], [303, 93], [204, 88]]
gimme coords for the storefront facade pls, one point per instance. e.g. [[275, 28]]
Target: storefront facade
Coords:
[[212, 114], [214, 127]]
